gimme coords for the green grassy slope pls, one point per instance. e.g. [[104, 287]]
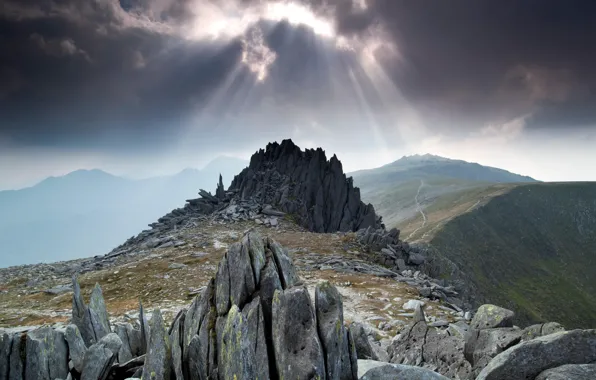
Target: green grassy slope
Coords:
[[532, 248]]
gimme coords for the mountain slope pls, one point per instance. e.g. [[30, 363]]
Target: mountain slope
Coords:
[[88, 212], [532, 248], [402, 191]]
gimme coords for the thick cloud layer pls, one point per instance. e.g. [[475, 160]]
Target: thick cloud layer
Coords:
[[134, 78]]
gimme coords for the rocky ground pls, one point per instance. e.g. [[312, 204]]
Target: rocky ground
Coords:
[[169, 275]]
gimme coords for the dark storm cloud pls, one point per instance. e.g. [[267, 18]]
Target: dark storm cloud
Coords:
[[114, 74], [459, 56]]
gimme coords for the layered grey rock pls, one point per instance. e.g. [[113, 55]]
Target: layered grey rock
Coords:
[[528, 359], [100, 357], [491, 316], [386, 371], [535, 331], [332, 332], [421, 345], [5, 346], [298, 350], [46, 355], [304, 184], [362, 345], [158, 361], [76, 347], [483, 345], [570, 371]]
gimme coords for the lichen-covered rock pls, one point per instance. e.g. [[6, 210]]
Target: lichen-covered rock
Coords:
[[483, 345], [175, 339], [238, 360], [386, 371], [528, 359], [76, 347], [145, 330], [100, 357], [158, 361], [491, 316], [534, 331], [570, 372], [126, 353], [253, 317], [330, 324], [287, 272], [256, 250], [17, 365], [298, 351], [46, 355], [242, 280], [222, 285], [5, 346], [97, 305]]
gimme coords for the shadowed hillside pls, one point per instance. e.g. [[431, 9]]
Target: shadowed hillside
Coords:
[[533, 248]]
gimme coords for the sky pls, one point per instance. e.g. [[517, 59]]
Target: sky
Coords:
[[149, 87]]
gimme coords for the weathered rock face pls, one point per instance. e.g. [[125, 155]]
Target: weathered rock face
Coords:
[[491, 316], [421, 345], [254, 320], [304, 184], [528, 359], [570, 371]]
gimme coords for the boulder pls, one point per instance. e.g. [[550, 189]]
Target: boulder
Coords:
[[534, 331], [570, 371], [386, 371], [100, 357], [528, 359], [491, 316], [298, 351], [483, 345]]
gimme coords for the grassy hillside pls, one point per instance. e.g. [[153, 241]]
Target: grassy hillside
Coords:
[[532, 248]]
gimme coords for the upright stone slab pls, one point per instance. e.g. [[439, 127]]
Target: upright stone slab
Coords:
[[76, 347], [5, 346], [298, 351], [330, 325], [158, 361]]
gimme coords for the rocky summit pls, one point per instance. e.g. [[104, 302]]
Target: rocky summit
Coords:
[[307, 186], [250, 283]]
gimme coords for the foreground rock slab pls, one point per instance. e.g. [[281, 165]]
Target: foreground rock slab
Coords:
[[374, 370], [528, 359]]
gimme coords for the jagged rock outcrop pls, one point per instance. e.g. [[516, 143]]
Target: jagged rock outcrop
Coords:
[[422, 345], [307, 186]]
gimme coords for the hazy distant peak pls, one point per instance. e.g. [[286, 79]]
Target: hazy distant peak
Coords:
[[220, 161], [424, 157], [81, 175]]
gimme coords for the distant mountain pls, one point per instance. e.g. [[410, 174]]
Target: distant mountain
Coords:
[[89, 212], [401, 189]]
